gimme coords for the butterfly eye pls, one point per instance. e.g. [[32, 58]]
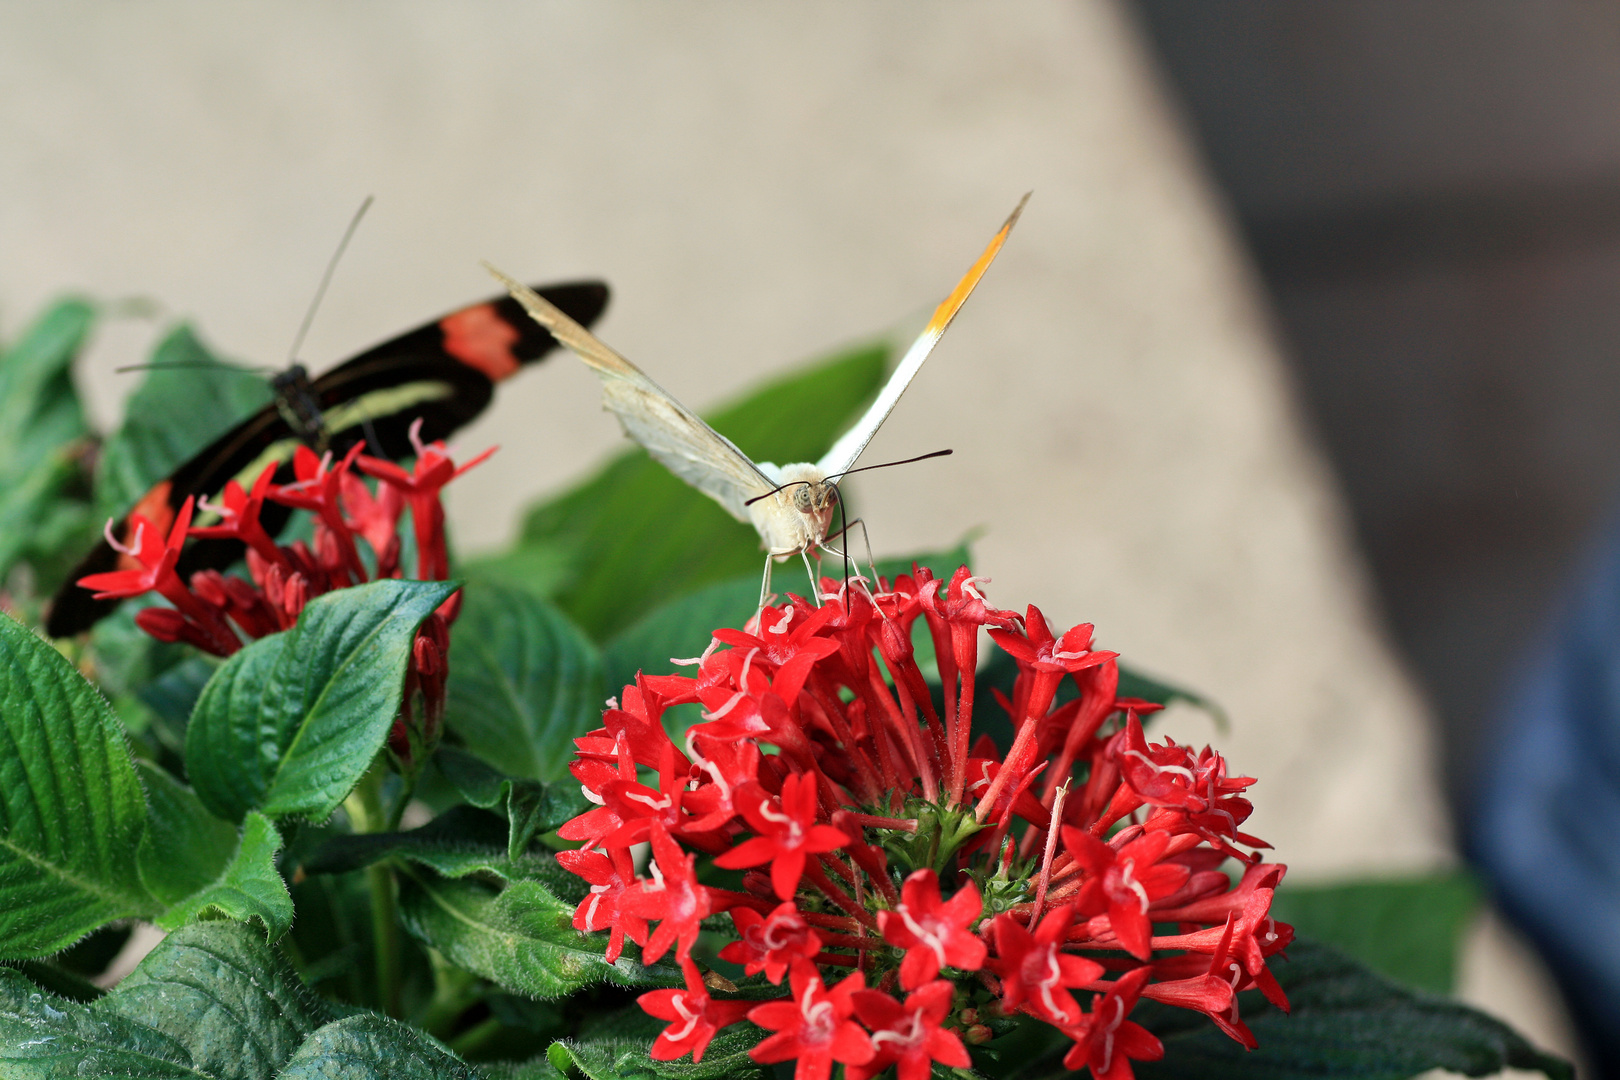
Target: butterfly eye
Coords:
[[801, 499]]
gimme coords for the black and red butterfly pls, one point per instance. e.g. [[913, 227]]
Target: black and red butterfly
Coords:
[[443, 373]]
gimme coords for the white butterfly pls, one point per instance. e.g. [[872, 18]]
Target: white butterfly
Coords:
[[791, 506]]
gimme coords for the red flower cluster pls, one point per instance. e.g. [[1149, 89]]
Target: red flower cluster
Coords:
[[216, 612], [948, 885]]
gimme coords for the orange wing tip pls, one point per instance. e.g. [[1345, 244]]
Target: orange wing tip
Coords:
[[964, 288]]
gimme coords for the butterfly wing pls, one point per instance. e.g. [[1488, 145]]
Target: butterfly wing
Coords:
[[849, 446], [443, 372], [675, 436]]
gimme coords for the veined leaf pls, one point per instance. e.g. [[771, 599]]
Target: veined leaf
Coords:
[[40, 419], [531, 807], [220, 992], [461, 841], [184, 846], [373, 1047], [523, 682], [71, 811], [289, 724], [44, 1037], [174, 413], [633, 535], [1407, 929], [247, 887], [615, 1046], [520, 937]]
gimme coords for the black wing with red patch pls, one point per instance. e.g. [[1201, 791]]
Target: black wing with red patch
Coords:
[[443, 373]]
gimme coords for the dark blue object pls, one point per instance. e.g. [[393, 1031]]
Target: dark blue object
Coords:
[[1546, 826]]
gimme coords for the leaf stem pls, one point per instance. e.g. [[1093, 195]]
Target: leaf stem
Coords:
[[475, 1036], [366, 812], [453, 990]]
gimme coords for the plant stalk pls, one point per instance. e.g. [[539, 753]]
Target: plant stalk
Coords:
[[366, 812]]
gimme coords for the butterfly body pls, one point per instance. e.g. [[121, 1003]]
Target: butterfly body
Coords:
[[790, 506], [443, 373], [295, 401]]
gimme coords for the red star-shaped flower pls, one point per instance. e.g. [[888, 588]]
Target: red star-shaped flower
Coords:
[[319, 490], [1035, 972], [694, 1017], [421, 486], [1108, 1041], [672, 896], [788, 833], [814, 1027], [909, 1036], [1124, 883], [1069, 652], [933, 932], [603, 908], [770, 943], [155, 557], [239, 517]]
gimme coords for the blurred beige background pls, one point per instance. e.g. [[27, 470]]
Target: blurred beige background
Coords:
[[760, 183]]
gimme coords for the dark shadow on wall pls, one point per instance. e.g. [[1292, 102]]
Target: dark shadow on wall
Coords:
[[1431, 192]]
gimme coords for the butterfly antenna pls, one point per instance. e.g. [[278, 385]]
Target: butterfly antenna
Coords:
[[326, 278], [886, 464]]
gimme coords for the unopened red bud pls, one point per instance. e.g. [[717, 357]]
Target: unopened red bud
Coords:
[[436, 630], [165, 624], [295, 595], [209, 586], [968, 1017], [977, 1035], [427, 657]]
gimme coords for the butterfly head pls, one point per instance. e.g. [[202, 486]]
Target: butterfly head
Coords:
[[798, 514]]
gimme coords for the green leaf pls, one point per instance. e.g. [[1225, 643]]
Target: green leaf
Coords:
[[220, 992], [461, 841], [184, 846], [174, 413], [289, 724], [39, 407], [614, 1047], [1409, 930], [623, 1057], [531, 807], [198, 863], [1346, 1022], [373, 1047], [539, 1068], [633, 536], [249, 887], [44, 1037], [71, 811], [523, 682], [520, 937], [681, 628], [40, 420]]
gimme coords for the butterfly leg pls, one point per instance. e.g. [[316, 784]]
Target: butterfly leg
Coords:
[[815, 584], [765, 583], [866, 540]]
